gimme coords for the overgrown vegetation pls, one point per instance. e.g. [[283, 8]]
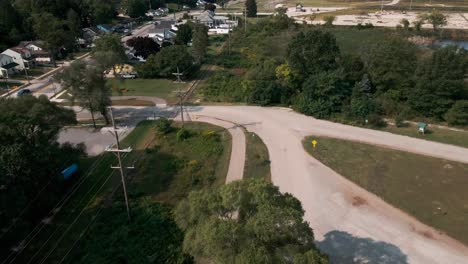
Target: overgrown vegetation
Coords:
[[257, 160], [408, 181], [348, 74]]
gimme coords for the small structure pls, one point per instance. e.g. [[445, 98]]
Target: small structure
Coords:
[[422, 127], [299, 8]]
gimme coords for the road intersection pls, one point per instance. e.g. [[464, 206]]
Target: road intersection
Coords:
[[371, 231]]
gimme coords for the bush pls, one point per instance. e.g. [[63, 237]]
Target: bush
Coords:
[[400, 121], [458, 114], [163, 125], [182, 134], [376, 121]]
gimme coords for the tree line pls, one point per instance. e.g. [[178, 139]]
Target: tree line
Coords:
[[387, 78]]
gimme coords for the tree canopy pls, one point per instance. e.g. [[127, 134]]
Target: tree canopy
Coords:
[[31, 160], [165, 62], [151, 237], [251, 8], [144, 46], [247, 221]]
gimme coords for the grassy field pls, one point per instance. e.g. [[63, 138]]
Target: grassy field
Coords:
[[458, 138], [165, 169], [433, 190], [257, 161], [442, 5], [170, 168], [161, 88]]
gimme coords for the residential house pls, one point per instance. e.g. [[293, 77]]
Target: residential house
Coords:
[[163, 31], [90, 34], [209, 19], [105, 28], [21, 56], [7, 65], [38, 50]]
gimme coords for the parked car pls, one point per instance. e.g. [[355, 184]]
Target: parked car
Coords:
[[129, 76], [23, 92]]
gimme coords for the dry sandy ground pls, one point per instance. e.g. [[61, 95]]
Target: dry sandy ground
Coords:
[[351, 224], [392, 19]]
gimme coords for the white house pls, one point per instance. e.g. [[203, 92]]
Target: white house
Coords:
[[21, 56], [7, 65], [209, 19]]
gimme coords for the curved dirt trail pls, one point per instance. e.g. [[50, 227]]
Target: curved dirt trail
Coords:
[[351, 224], [237, 160]]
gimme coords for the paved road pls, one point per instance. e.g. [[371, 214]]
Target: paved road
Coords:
[[370, 231]]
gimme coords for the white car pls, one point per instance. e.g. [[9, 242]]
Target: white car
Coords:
[[128, 76]]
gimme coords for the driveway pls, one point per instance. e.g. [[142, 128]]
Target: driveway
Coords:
[[370, 231]]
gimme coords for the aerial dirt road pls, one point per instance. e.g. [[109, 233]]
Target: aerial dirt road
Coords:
[[350, 224]]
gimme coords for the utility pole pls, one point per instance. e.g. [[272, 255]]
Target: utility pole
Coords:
[[245, 20], [229, 38], [117, 151], [178, 74], [180, 94], [381, 7]]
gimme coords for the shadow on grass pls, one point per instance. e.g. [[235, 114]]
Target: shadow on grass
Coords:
[[344, 248]]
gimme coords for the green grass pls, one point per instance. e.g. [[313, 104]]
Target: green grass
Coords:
[[161, 88], [163, 171], [11, 85], [257, 161], [458, 138], [431, 189], [170, 169]]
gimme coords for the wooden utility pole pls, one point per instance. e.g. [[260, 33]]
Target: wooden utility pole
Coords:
[[117, 151], [180, 94]]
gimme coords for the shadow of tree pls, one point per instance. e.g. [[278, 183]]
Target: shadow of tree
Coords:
[[344, 248]]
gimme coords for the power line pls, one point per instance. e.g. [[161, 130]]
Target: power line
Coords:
[[52, 212]]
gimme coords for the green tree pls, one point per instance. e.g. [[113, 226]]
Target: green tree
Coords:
[[101, 11], [251, 8], [329, 20], [165, 63], [200, 42], [362, 104], [151, 237], [405, 23], [247, 221], [184, 34], [435, 18], [136, 8], [52, 31], [440, 82], [74, 22], [458, 114], [312, 52], [109, 50], [323, 94], [31, 159], [391, 65], [88, 88], [144, 46]]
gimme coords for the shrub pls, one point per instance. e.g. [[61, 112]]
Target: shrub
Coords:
[[163, 125], [376, 120], [182, 134], [399, 121], [458, 114]]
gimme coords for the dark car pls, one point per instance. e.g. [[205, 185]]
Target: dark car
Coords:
[[24, 92]]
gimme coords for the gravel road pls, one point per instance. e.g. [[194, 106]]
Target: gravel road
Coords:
[[351, 224]]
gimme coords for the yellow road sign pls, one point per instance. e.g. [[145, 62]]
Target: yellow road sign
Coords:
[[314, 143]]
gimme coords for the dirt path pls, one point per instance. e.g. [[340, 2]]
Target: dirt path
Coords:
[[351, 224], [238, 150]]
